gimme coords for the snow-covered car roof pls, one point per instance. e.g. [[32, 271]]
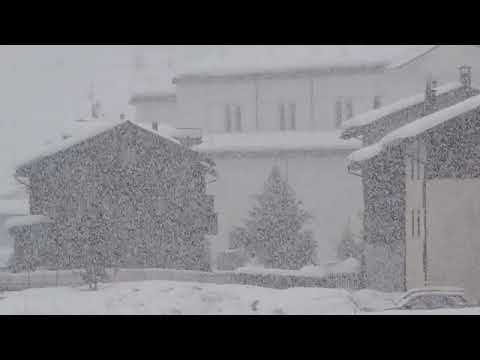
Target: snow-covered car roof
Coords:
[[434, 290]]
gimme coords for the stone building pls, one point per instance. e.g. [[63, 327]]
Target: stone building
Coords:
[[412, 150], [139, 193]]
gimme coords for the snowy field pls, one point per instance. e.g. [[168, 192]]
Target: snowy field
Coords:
[[174, 298]]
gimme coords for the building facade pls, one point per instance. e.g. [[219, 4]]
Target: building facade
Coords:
[[265, 103], [139, 193], [420, 181]]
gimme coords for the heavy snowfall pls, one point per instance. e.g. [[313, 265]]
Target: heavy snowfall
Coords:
[[240, 180]]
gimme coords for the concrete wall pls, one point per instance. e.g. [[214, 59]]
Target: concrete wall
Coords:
[[453, 214], [320, 181]]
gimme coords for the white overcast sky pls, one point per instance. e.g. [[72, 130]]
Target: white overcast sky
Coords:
[[43, 87]]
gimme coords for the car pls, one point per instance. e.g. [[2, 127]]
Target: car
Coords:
[[432, 299]]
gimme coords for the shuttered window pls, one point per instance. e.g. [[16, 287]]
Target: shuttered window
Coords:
[[349, 108], [233, 118], [293, 116], [228, 119], [238, 119], [282, 120], [338, 113]]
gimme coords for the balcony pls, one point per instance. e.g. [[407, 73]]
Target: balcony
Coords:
[[189, 136]]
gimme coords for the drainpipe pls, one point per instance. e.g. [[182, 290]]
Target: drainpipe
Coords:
[[257, 125], [312, 104]]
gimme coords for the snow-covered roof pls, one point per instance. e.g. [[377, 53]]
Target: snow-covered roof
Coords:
[[14, 207], [268, 60], [409, 56], [26, 220], [152, 96], [413, 54], [415, 128], [275, 141], [164, 131], [377, 114], [365, 153], [11, 188]]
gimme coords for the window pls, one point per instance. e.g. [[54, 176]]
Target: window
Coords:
[[377, 102], [418, 162], [338, 113], [413, 223], [238, 119], [344, 110], [282, 123], [418, 224], [349, 108], [287, 116], [228, 119], [293, 120], [233, 118], [412, 168]]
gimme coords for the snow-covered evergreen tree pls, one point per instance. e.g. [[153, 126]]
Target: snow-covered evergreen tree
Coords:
[[273, 233]]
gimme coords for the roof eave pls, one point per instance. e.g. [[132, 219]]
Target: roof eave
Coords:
[[140, 98], [271, 74]]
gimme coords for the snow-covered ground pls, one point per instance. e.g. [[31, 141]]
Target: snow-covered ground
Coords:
[[166, 297]]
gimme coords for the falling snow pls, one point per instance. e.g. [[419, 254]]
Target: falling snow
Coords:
[[240, 179]]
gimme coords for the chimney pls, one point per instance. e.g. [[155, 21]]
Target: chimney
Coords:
[[466, 76], [155, 126], [122, 117]]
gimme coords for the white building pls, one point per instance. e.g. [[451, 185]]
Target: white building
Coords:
[[289, 111]]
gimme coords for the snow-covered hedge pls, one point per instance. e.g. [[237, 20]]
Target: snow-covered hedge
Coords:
[[40, 279]]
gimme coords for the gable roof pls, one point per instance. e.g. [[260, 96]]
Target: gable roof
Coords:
[[164, 131], [415, 129], [410, 56], [269, 61], [384, 111], [148, 96]]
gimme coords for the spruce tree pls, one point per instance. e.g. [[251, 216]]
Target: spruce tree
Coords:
[[273, 233]]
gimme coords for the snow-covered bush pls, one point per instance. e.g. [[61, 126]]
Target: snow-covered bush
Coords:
[[231, 259]]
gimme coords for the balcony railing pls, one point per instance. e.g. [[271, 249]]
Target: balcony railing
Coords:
[[189, 136]]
